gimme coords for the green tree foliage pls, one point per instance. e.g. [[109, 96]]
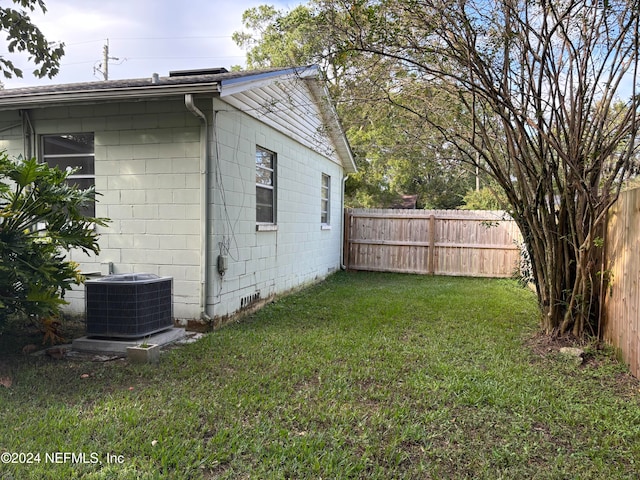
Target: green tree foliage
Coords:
[[282, 39], [24, 36], [486, 198], [395, 154], [40, 219]]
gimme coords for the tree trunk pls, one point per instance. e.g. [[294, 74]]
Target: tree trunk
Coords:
[[566, 270]]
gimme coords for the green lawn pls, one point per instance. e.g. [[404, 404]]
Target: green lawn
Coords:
[[362, 376]]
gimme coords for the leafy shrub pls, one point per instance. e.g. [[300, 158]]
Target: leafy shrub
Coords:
[[41, 218]]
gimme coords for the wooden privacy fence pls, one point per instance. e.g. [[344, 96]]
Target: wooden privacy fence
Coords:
[[441, 242], [622, 302]]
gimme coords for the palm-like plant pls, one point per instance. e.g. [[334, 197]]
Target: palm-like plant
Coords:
[[41, 219]]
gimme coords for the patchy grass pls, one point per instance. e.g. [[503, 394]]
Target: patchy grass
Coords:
[[362, 376]]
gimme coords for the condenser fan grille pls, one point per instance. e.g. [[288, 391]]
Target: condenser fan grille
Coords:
[[128, 306]]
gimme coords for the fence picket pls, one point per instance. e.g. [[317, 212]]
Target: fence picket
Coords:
[[622, 301], [441, 242]]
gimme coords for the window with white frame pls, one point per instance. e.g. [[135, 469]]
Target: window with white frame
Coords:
[[72, 151], [325, 195], [265, 186]]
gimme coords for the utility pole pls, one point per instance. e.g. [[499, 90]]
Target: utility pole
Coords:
[[105, 62]]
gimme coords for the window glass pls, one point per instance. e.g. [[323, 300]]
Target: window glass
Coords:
[[265, 186], [72, 151], [324, 199], [68, 144], [85, 164]]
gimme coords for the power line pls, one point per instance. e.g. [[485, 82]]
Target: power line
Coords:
[[151, 38], [182, 57], [191, 37]]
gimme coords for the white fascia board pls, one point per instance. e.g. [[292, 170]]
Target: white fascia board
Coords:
[[48, 99], [239, 85]]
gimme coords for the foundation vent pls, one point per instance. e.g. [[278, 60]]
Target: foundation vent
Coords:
[[249, 300]]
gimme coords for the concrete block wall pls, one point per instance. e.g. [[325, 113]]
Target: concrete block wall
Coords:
[[147, 163], [300, 251]]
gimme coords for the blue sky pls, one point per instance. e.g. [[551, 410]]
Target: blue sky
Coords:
[[147, 36]]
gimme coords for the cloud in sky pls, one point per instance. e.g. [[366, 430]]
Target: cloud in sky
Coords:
[[146, 37]]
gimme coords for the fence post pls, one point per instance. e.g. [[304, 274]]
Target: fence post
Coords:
[[346, 245], [432, 245]]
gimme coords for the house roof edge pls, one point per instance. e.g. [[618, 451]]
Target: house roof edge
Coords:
[[141, 88]]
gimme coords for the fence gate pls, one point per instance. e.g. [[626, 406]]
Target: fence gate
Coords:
[[474, 243]]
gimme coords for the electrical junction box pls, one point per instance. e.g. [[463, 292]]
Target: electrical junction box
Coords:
[[222, 264]]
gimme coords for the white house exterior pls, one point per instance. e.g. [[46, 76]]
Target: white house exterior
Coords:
[[229, 182]]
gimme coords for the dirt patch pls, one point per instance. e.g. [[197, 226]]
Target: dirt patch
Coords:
[[596, 355], [26, 336], [543, 345]]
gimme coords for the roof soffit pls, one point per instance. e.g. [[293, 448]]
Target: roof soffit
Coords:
[[299, 106]]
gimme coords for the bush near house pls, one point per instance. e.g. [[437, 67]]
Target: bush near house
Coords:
[[41, 217]]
